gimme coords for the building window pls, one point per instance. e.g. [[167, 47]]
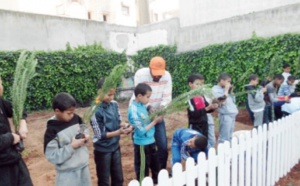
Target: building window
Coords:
[[125, 10], [105, 18]]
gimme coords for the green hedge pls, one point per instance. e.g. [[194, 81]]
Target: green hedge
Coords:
[[76, 72], [236, 58]]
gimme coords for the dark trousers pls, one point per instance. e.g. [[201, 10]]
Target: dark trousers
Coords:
[[15, 175], [162, 144], [151, 161], [277, 112], [108, 164], [268, 114]]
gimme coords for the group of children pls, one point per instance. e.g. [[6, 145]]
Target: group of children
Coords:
[[66, 149], [273, 99]]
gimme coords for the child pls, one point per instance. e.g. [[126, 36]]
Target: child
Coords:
[[199, 109], [106, 124], [271, 99], [143, 137], [187, 143], [13, 170], [69, 155], [287, 87], [228, 109], [286, 73], [293, 106], [256, 99]]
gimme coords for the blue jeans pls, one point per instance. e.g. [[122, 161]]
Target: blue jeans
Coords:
[[161, 143], [226, 127], [211, 136], [108, 164], [176, 156]]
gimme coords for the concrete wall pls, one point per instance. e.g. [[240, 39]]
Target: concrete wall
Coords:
[[264, 23], [39, 32], [194, 12]]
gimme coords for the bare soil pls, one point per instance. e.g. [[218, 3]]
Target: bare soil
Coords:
[[43, 173]]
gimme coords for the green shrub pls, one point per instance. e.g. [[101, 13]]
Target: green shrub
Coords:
[[236, 58], [75, 72]]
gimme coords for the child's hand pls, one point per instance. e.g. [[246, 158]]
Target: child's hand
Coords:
[[158, 119], [86, 137], [264, 89], [17, 138], [128, 130], [227, 86], [76, 143], [150, 109], [214, 106], [23, 129]]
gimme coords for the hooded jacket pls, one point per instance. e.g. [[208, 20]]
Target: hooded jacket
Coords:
[[57, 145], [255, 98], [8, 153]]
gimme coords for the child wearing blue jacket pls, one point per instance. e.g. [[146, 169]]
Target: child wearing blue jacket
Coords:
[[143, 137], [187, 143]]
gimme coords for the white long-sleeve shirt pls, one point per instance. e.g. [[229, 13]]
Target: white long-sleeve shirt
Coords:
[[161, 91]]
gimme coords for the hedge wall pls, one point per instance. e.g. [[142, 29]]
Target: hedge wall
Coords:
[[236, 58], [76, 72]]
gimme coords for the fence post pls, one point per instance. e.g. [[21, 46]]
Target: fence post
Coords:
[[163, 178], [191, 172], [248, 158], [212, 167], [202, 169], [177, 175], [274, 155], [254, 158], [265, 147], [269, 154], [147, 181], [134, 183], [259, 155], [234, 162], [221, 164], [227, 160], [241, 160]]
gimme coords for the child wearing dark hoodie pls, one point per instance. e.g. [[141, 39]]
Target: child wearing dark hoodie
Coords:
[[69, 154], [256, 99], [13, 170]]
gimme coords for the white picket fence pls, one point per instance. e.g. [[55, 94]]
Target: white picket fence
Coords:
[[258, 158]]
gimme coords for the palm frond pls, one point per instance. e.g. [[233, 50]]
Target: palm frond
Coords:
[[25, 71]]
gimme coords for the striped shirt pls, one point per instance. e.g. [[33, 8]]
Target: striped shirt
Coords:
[[161, 91]]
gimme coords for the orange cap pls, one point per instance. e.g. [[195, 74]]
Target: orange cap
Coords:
[[157, 66]]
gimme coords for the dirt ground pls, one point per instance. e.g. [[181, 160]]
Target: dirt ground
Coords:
[[43, 173]]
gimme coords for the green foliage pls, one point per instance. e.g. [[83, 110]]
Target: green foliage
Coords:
[[236, 58], [74, 72], [180, 103], [111, 82], [25, 71]]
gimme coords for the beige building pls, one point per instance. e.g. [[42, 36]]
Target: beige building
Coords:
[[194, 12], [120, 12]]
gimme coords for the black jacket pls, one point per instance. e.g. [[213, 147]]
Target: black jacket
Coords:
[[8, 154], [197, 115]]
